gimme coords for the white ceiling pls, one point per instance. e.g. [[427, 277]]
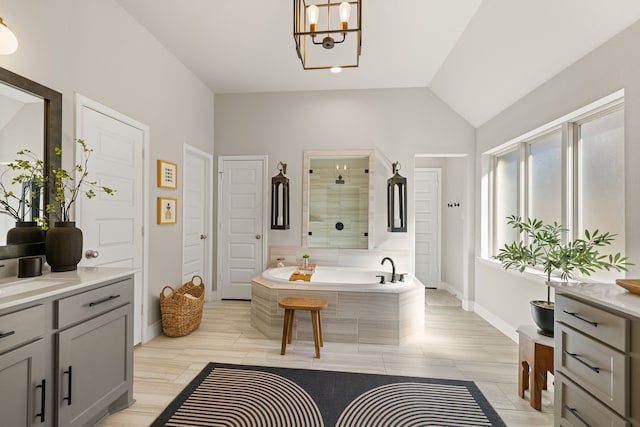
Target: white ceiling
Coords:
[[479, 56]]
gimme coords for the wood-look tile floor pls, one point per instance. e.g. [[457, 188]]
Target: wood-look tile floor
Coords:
[[456, 345]]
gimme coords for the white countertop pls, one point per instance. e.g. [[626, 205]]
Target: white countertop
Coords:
[[15, 291], [608, 295]]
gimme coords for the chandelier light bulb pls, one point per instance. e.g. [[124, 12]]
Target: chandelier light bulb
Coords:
[[8, 40], [345, 12], [312, 15]]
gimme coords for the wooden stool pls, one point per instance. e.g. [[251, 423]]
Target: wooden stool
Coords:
[[535, 354], [314, 305]]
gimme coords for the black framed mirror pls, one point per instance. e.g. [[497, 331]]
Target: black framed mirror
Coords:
[[50, 121]]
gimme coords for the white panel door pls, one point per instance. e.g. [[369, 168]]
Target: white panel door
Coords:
[[196, 215], [241, 233], [427, 220], [112, 226]]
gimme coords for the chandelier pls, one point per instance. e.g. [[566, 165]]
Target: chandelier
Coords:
[[328, 34]]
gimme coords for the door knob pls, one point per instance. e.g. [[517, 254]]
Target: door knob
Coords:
[[258, 236], [203, 236], [90, 253]]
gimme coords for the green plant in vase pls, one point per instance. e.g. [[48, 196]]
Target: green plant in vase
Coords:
[[20, 197], [544, 246], [68, 187], [63, 248], [30, 178]]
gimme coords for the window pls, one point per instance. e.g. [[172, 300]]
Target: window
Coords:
[[572, 172], [600, 177], [506, 196], [544, 181]]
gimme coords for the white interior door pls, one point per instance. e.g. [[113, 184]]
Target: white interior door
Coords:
[[112, 226], [241, 217], [427, 219], [197, 214]]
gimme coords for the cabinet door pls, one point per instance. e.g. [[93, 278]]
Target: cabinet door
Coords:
[[23, 388], [94, 367]]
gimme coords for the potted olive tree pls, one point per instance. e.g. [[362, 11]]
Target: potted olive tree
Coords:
[[544, 246]]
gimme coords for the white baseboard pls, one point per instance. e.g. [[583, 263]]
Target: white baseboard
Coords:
[[152, 331], [496, 322], [452, 290]]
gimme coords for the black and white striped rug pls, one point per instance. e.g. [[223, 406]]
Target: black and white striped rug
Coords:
[[239, 396]]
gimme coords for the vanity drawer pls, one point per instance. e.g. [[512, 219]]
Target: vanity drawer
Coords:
[[601, 370], [602, 325], [577, 408], [89, 304], [21, 327]]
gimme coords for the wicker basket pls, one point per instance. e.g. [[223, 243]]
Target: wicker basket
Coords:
[[182, 309]]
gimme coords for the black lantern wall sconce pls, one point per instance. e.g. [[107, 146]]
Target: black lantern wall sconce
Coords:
[[280, 199], [397, 201]]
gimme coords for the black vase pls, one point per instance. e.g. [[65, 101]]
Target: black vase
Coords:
[[63, 246], [543, 316], [25, 232]]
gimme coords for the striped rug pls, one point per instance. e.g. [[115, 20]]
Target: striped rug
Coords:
[[236, 395]]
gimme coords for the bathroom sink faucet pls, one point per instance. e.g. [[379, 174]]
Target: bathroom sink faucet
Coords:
[[393, 268]]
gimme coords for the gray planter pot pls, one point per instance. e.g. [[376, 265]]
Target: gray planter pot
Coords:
[[63, 246]]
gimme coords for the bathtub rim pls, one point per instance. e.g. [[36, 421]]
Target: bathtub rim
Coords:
[[275, 283]]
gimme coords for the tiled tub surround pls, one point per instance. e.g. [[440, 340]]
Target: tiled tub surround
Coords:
[[371, 313]]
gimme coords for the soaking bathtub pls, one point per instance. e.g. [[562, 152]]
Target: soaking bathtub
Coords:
[[361, 310]]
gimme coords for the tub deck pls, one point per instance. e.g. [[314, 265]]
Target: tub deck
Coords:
[[392, 313]]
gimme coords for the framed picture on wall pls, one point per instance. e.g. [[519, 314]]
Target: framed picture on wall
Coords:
[[167, 174], [167, 210]]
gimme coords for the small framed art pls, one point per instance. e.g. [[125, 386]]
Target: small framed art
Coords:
[[167, 174], [167, 210]]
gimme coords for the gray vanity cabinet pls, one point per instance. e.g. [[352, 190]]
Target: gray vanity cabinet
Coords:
[[93, 366], [95, 362], [597, 360], [23, 387], [67, 359], [23, 381]]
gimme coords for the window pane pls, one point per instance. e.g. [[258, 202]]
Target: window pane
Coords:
[[506, 198], [545, 178], [601, 178]]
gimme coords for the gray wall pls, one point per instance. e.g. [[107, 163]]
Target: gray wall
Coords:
[[397, 123], [613, 66], [93, 47]]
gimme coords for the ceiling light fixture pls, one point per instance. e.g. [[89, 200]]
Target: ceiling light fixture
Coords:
[[8, 40], [327, 24]]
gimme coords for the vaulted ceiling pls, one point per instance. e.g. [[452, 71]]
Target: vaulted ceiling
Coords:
[[478, 56]]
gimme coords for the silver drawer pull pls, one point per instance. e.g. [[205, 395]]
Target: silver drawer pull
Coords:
[[7, 334], [102, 301], [576, 414], [594, 324], [575, 356]]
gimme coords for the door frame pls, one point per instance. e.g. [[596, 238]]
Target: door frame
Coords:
[[265, 210], [81, 101], [208, 193], [438, 204]]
